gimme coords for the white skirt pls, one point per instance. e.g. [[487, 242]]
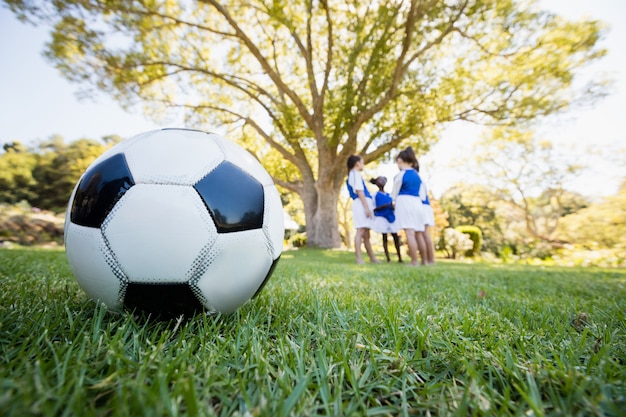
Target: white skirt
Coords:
[[429, 215], [361, 221], [382, 225], [409, 213]]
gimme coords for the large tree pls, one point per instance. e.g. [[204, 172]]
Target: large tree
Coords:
[[305, 83]]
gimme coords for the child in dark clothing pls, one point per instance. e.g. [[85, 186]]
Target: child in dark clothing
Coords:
[[384, 217]]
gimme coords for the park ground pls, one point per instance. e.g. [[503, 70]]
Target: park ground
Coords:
[[324, 337]]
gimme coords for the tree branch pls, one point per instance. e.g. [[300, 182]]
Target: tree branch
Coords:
[[250, 45]]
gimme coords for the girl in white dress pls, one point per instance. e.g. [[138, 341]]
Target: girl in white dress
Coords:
[[362, 208], [424, 242], [408, 193]]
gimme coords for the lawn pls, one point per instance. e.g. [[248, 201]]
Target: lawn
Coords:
[[325, 337]]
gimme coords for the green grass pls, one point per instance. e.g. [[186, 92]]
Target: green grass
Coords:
[[325, 337]]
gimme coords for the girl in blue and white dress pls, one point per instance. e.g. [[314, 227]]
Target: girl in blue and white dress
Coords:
[[362, 208], [424, 242], [408, 193], [385, 218]]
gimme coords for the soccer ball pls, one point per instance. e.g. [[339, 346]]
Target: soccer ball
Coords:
[[174, 221]]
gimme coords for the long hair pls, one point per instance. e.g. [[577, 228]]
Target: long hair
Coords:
[[408, 156], [352, 161], [415, 163]]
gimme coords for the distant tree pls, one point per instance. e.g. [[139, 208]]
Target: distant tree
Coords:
[[16, 173], [602, 224], [476, 205], [454, 243], [311, 82], [59, 166], [45, 174], [16, 147], [441, 219], [529, 175]]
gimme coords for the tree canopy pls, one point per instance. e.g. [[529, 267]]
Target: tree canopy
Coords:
[[304, 84]]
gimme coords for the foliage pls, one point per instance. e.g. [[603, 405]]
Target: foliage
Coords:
[[530, 179], [567, 256], [306, 84], [325, 337], [602, 224], [453, 243], [58, 169], [579, 256], [16, 174], [503, 226], [45, 175], [522, 200], [441, 218], [298, 240], [477, 205], [476, 236]]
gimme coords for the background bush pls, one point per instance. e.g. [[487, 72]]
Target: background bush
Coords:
[[476, 235]]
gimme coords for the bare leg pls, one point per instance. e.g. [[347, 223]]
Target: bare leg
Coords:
[[358, 237], [421, 246], [396, 241], [368, 246], [386, 247], [412, 244], [430, 248]]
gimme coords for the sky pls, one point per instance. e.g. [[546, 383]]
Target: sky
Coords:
[[36, 103]]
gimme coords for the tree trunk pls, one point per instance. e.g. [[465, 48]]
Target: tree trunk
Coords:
[[345, 207], [322, 221]]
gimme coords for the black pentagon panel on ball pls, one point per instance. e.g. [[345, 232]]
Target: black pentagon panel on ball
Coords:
[[233, 197], [100, 188], [164, 301]]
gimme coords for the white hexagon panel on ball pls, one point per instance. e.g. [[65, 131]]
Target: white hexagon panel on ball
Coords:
[[87, 251], [157, 231], [235, 269], [155, 161]]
